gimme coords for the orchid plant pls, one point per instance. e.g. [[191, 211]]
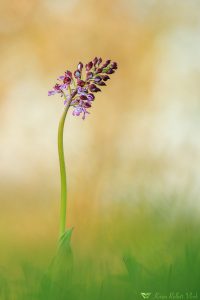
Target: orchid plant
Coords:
[[77, 91]]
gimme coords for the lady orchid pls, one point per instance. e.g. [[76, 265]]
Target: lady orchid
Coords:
[[78, 91]]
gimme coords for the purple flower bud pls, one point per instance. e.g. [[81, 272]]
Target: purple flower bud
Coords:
[[87, 104], [97, 79], [57, 87], [99, 61], [95, 60], [101, 83], [89, 75], [89, 66], [80, 82], [77, 74], [90, 97], [105, 77], [106, 63], [80, 66], [68, 74], [99, 70], [110, 71], [94, 88], [83, 97], [67, 80], [114, 66]]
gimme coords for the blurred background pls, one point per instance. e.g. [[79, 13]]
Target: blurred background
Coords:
[[133, 164]]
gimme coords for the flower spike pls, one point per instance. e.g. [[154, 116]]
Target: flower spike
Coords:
[[78, 88]]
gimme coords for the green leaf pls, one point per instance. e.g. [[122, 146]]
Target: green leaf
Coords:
[[64, 241], [61, 268]]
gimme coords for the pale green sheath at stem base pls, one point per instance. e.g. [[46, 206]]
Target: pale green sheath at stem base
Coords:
[[63, 203]]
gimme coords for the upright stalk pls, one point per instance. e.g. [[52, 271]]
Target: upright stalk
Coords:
[[63, 177], [81, 88]]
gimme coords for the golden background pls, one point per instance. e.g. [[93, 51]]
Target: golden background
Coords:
[[139, 146]]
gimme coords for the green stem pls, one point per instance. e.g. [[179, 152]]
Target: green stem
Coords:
[[63, 177]]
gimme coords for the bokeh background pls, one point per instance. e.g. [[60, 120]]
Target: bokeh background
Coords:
[[133, 164]]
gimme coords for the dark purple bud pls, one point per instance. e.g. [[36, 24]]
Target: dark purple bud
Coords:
[[80, 66], [77, 74], [105, 77], [94, 88], [114, 65], [68, 74], [89, 75], [99, 70], [106, 63], [83, 97], [110, 71], [95, 60], [101, 83], [57, 87], [67, 80], [80, 82], [87, 104], [99, 61], [89, 66], [97, 79], [90, 97]]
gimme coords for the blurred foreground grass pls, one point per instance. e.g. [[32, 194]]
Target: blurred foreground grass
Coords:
[[133, 250]]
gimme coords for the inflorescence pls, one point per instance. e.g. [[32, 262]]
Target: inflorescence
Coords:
[[78, 89]]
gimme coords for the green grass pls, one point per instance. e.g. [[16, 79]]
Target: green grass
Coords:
[[144, 252]]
